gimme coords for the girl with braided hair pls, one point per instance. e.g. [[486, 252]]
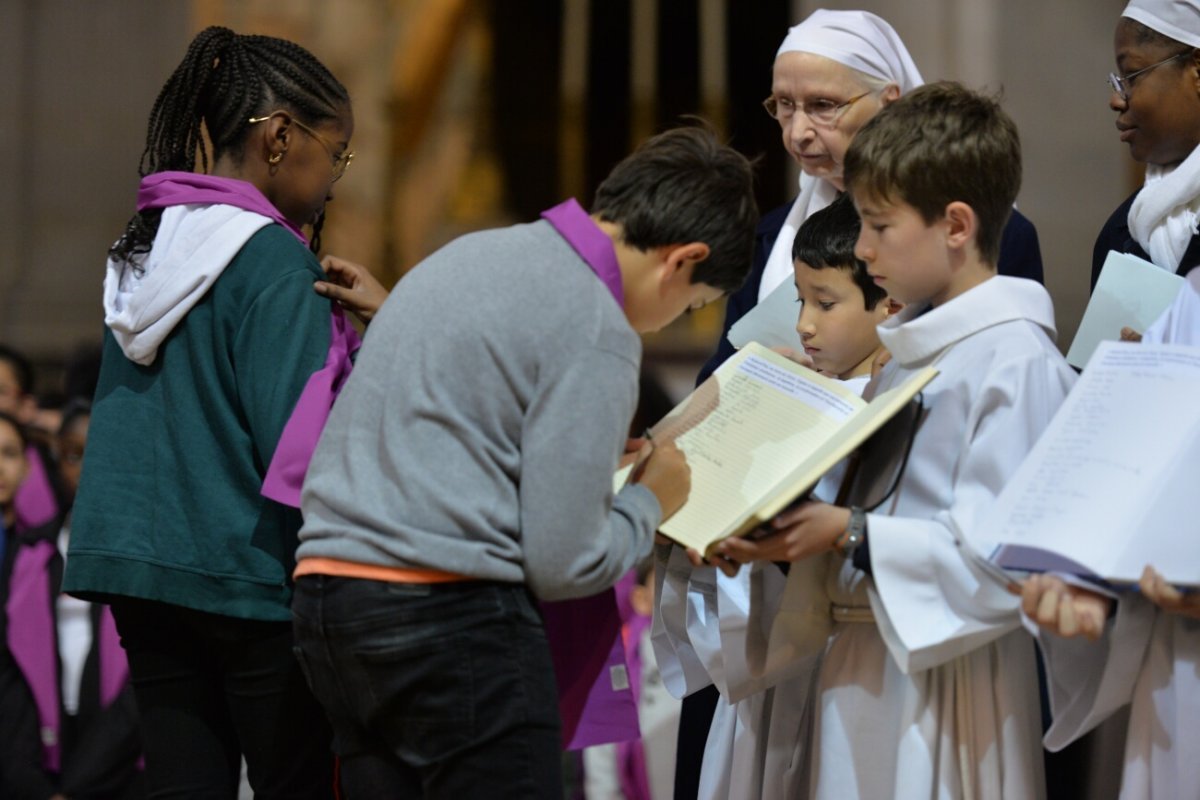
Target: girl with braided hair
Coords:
[[214, 332]]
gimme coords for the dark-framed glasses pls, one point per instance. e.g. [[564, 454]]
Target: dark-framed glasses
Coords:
[[341, 162], [1123, 84], [820, 111]]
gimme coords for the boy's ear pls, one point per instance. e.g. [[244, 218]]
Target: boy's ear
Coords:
[[890, 94], [680, 259], [961, 224]]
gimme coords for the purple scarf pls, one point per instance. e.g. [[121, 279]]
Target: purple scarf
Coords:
[[293, 452], [33, 642], [164, 189], [35, 503], [595, 695]]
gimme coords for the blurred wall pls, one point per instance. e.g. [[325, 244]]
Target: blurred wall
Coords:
[[77, 80]]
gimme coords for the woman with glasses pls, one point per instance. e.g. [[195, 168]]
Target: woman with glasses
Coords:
[[1147, 656], [832, 73], [1155, 93], [213, 333]]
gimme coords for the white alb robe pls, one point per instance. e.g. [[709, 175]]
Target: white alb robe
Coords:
[[1148, 659], [938, 697], [763, 663]]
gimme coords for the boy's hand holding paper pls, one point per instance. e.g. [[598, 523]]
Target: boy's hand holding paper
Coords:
[[1156, 589], [1064, 609]]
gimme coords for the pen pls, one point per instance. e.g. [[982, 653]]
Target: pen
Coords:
[[640, 464]]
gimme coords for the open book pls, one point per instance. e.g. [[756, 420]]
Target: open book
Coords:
[[759, 433], [1131, 292], [1111, 485]]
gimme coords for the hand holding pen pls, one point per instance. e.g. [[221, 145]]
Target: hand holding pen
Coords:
[[662, 468], [643, 455]]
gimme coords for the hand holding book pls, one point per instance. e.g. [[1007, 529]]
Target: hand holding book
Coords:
[[798, 533]]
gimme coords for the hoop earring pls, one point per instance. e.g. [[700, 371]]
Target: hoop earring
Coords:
[[275, 159]]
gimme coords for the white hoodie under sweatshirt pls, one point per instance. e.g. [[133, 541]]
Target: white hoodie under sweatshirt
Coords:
[[194, 245]]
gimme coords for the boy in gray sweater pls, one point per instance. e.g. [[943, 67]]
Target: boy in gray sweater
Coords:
[[467, 468]]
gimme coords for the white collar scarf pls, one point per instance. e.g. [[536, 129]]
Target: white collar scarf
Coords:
[[914, 335], [1163, 216], [815, 194]]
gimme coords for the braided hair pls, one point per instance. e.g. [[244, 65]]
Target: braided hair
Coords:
[[224, 80]]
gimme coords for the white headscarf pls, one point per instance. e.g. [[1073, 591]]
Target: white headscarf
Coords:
[[1164, 216], [856, 39]]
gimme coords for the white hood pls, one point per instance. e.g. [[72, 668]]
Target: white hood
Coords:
[[193, 246]]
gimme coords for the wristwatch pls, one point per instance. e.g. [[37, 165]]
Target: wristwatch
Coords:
[[856, 530]]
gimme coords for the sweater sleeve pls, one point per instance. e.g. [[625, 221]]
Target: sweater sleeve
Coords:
[[282, 340], [577, 539]]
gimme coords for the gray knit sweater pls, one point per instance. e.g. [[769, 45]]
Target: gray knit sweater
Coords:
[[480, 428]]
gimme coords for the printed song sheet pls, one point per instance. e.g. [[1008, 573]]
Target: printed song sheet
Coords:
[[1109, 488]]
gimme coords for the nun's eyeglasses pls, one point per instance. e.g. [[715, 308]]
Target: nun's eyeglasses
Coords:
[[820, 111], [1122, 85]]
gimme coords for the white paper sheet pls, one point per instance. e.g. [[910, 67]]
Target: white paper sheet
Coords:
[[771, 323], [1110, 485], [1131, 292]]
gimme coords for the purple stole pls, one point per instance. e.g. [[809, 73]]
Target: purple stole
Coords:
[[35, 503], [285, 474], [33, 642], [595, 695]]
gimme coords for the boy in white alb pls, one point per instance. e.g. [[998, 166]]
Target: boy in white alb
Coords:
[[757, 740], [927, 687]]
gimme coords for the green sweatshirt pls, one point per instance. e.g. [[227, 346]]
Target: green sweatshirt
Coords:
[[169, 506]]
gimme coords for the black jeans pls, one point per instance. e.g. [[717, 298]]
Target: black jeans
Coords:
[[211, 689], [434, 690]]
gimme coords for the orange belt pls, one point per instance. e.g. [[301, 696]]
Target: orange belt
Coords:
[[350, 569]]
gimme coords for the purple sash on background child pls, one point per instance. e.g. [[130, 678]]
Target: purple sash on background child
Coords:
[[32, 640], [35, 503]]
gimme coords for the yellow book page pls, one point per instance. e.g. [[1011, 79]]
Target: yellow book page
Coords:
[[845, 441], [743, 432]]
